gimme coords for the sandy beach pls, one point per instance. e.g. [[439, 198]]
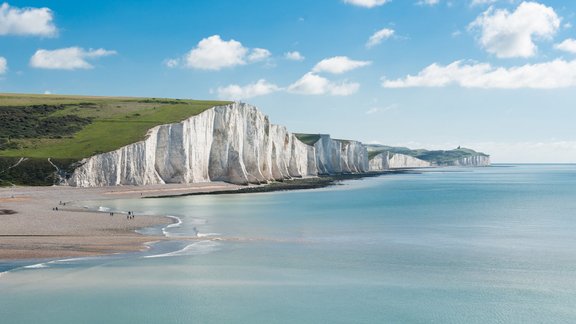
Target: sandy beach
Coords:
[[31, 228]]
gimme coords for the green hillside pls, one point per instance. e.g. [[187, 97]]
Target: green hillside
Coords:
[[74, 127], [42, 137]]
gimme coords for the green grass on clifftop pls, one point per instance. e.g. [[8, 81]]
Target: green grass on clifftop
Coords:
[[308, 139], [74, 127]]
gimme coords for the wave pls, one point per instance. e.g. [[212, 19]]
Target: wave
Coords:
[[207, 234], [196, 248], [36, 266], [173, 225]]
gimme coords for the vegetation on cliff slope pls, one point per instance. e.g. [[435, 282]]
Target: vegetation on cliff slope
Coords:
[[74, 127], [69, 128]]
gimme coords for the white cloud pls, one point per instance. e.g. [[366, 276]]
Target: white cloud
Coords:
[[507, 34], [379, 36], [294, 56], [428, 2], [482, 2], [237, 92], [213, 53], [548, 75], [367, 3], [26, 21], [568, 45], [338, 65], [313, 84], [310, 83], [374, 110], [172, 63], [259, 54], [71, 58], [343, 88], [3, 65]]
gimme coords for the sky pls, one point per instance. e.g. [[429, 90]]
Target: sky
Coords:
[[498, 76]]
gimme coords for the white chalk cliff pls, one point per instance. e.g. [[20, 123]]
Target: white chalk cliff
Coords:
[[234, 143], [470, 161], [387, 161]]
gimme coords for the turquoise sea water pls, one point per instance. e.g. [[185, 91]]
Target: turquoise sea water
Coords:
[[487, 245]]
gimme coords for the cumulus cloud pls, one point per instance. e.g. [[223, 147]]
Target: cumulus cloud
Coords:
[[71, 58], [548, 75], [428, 2], [237, 92], [512, 34], [259, 54], [379, 36], [294, 56], [338, 65], [568, 45], [3, 65], [313, 84], [367, 3], [26, 21], [214, 53]]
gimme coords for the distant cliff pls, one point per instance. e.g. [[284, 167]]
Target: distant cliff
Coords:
[[386, 160], [457, 157], [235, 143]]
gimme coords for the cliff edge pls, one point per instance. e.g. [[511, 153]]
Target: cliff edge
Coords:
[[234, 143]]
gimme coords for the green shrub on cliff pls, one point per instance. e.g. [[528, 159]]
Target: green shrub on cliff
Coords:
[[74, 127]]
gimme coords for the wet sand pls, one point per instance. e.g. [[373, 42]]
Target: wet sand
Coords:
[[31, 228]]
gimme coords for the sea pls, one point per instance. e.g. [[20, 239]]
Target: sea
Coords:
[[449, 245]]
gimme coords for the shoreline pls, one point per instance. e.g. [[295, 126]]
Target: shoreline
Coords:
[[319, 182], [32, 228]]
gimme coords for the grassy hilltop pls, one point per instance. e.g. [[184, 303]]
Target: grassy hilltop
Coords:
[[74, 127], [69, 128]]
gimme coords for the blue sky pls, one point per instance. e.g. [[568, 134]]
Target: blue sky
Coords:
[[495, 75]]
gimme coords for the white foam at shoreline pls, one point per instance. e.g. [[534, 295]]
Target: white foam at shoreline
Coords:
[[37, 266], [104, 209], [207, 234], [173, 225], [196, 248]]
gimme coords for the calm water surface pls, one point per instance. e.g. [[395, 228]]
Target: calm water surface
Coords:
[[488, 245]]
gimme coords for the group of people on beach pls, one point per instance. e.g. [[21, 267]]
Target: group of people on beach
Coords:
[[56, 208], [129, 216]]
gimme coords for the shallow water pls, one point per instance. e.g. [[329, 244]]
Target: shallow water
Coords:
[[489, 245]]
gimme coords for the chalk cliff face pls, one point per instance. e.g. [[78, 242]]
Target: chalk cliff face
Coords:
[[387, 160], [470, 161], [340, 156], [234, 143]]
